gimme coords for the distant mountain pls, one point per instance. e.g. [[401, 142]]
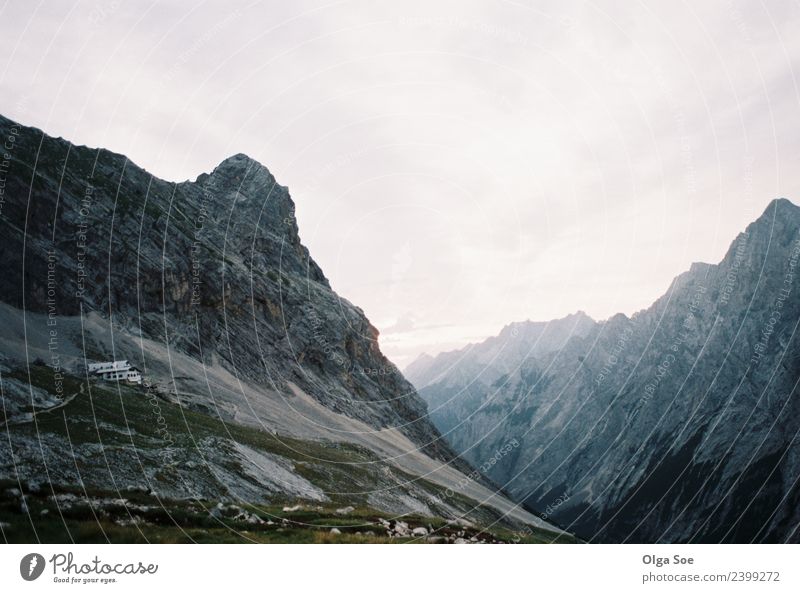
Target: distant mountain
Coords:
[[206, 287], [469, 372], [679, 424]]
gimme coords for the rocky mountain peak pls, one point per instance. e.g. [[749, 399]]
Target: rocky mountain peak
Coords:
[[783, 204], [242, 164], [242, 183], [676, 425], [779, 219], [215, 268], [515, 343]]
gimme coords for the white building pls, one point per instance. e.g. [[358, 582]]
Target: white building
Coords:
[[118, 370]]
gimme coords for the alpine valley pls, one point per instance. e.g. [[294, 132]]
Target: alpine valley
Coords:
[[268, 413], [677, 424]]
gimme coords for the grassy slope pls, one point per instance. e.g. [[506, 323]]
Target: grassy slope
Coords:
[[98, 518], [126, 417]]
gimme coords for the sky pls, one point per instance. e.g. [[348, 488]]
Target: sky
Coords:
[[456, 165]]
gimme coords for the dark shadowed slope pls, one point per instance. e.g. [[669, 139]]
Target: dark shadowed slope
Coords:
[[678, 424], [267, 385]]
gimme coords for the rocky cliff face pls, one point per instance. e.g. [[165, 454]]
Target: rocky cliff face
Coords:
[[456, 382], [678, 424], [214, 269], [264, 388]]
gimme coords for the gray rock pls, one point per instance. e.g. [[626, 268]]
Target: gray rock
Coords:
[[216, 263], [674, 425]]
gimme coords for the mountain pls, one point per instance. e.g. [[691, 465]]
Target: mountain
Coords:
[[678, 424], [467, 374], [264, 384]]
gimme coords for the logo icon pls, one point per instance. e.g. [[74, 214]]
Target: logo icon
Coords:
[[31, 566]]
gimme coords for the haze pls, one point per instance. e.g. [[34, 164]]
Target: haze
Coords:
[[456, 165]]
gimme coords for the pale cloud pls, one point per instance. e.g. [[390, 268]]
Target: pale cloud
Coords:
[[456, 165]]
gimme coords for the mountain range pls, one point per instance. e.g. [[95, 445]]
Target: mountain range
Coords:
[[269, 413], [263, 387], [676, 424]]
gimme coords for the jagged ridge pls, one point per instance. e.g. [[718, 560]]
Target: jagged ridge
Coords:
[[678, 424], [214, 268]]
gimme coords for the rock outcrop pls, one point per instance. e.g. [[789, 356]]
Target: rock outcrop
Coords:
[[262, 385], [212, 268]]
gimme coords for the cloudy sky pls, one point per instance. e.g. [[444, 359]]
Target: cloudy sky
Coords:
[[456, 165]]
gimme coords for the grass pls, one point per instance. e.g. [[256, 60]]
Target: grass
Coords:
[[99, 518], [126, 416]]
